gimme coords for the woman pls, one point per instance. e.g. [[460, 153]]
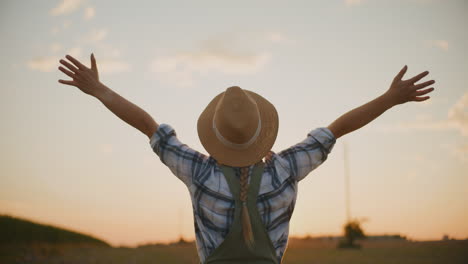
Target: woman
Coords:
[[242, 204]]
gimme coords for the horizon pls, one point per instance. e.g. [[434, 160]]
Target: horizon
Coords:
[[67, 160], [181, 238]]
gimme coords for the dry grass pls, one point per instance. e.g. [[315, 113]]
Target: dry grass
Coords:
[[299, 251], [382, 252]]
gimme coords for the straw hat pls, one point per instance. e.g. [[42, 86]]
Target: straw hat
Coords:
[[238, 127]]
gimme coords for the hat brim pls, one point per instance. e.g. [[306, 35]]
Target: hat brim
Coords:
[[250, 155]]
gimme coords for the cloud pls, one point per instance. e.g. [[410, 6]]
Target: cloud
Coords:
[[105, 66], [461, 152], [107, 56], [55, 47], [115, 52], [417, 125], [57, 29], [425, 1], [359, 2], [54, 30], [441, 44], [106, 50], [458, 151], [457, 119], [51, 63], [416, 157], [407, 126], [96, 35], [458, 114], [353, 2], [108, 60], [65, 7], [182, 78], [215, 59], [75, 52], [110, 66], [66, 24], [89, 13], [278, 37], [43, 64]]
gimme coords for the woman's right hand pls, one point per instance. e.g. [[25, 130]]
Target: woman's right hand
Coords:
[[402, 91], [86, 79]]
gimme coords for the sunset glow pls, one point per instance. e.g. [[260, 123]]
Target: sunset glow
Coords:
[[67, 160]]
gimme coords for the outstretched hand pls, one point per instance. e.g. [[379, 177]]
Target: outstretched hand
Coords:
[[402, 91], [86, 79]]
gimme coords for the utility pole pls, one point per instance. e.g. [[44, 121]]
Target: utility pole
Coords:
[[346, 180]]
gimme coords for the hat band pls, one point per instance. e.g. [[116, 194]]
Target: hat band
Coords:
[[236, 145]]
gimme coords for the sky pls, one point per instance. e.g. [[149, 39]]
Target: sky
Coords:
[[67, 160]]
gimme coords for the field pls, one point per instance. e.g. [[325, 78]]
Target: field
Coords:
[[299, 251]]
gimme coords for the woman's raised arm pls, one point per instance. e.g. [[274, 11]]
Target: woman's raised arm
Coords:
[[400, 91], [87, 80]]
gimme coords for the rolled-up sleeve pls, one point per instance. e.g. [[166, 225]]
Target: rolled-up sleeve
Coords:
[[310, 153], [183, 161]]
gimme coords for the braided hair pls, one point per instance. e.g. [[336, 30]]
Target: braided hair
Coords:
[[246, 224]]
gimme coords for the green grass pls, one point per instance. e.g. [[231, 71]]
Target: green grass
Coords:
[[20, 231]]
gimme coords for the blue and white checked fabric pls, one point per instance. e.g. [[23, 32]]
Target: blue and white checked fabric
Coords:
[[212, 201]]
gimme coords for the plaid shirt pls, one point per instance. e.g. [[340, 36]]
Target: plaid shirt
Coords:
[[212, 201]]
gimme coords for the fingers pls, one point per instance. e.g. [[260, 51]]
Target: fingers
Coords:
[[68, 82], [75, 70], [93, 62], [94, 65], [423, 92], [76, 62], [424, 84], [419, 99], [69, 66], [418, 77], [67, 72], [401, 73]]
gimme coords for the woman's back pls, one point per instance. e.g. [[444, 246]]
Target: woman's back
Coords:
[[212, 200]]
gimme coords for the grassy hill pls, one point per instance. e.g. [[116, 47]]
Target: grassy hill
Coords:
[[20, 231]]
